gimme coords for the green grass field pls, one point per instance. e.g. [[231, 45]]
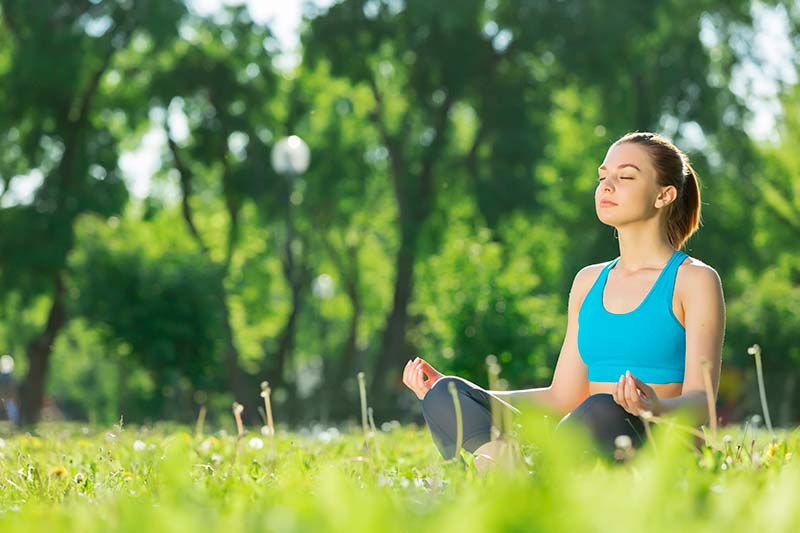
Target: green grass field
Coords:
[[168, 478]]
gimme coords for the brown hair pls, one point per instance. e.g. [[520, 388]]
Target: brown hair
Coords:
[[672, 168]]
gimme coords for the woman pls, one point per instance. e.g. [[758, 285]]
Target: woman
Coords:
[[638, 327]]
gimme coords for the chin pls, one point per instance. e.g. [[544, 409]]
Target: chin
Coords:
[[605, 219]]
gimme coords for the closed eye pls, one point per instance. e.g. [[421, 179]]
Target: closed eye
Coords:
[[621, 177]]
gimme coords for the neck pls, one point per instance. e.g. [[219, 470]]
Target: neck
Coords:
[[643, 246]]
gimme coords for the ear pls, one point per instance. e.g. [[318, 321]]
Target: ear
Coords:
[[667, 196]]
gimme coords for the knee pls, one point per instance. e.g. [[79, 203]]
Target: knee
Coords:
[[441, 389], [440, 398], [591, 404]]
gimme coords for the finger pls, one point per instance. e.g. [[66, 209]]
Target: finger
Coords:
[[625, 395], [418, 377], [618, 391], [409, 372], [424, 386], [621, 393], [632, 395], [644, 387], [429, 370]]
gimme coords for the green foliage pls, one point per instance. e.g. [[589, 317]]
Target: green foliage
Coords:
[[488, 298], [162, 305], [459, 144]]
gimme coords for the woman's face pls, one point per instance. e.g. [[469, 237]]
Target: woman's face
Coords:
[[627, 181]]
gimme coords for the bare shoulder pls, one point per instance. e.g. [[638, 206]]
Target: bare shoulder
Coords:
[[697, 277], [586, 277]]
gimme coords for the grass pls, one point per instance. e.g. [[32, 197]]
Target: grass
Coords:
[[166, 477]]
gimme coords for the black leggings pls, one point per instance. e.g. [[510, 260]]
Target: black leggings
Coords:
[[604, 418]]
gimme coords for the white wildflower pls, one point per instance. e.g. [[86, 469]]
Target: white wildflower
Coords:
[[256, 443], [266, 431], [328, 435], [139, 446]]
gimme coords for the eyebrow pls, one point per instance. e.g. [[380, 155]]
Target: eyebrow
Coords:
[[603, 167]]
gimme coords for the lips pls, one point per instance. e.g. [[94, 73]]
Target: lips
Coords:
[[607, 203]]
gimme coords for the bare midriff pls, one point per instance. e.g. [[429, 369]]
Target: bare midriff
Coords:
[[663, 390]]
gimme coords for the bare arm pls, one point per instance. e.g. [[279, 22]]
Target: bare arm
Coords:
[[570, 384], [705, 331]]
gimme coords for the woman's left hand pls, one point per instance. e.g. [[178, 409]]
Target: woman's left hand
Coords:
[[635, 395]]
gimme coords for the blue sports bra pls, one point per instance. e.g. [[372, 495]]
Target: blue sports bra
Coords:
[[649, 341]]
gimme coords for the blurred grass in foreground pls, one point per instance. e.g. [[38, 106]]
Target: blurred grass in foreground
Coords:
[[163, 478]]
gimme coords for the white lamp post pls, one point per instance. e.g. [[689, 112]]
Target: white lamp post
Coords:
[[290, 156]]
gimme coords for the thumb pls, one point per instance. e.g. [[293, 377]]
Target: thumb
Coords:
[[428, 369], [647, 389]]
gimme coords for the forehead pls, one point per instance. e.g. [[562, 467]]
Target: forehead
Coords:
[[621, 154]]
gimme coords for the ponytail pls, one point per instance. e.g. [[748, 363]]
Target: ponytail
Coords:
[[683, 215]]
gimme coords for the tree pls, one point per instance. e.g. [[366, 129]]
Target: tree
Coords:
[[61, 58], [505, 65]]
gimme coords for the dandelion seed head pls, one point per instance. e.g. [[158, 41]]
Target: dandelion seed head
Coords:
[[646, 415], [623, 441], [266, 431], [237, 408], [256, 443], [727, 439], [139, 446]]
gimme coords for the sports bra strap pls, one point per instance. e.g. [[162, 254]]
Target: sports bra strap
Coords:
[[666, 282]]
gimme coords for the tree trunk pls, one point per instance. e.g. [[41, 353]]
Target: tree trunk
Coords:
[[394, 349], [786, 412], [340, 399], [31, 393], [237, 381]]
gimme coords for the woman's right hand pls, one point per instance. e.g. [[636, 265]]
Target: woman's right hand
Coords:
[[414, 375]]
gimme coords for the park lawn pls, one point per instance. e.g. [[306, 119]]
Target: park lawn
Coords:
[[168, 478]]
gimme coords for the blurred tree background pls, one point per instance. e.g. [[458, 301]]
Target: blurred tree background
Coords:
[[446, 210]]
